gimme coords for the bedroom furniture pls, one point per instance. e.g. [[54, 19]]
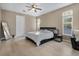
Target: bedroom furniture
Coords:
[[52, 29], [59, 38], [37, 37], [45, 35], [67, 22], [75, 44], [75, 39]]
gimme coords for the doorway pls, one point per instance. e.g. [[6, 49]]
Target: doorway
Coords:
[[20, 25]]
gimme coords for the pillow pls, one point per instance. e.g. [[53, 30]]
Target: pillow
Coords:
[[44, 30]]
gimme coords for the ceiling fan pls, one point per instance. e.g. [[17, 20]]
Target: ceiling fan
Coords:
[[33, 7]]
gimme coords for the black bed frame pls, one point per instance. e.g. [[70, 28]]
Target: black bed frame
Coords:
[[42, 42], [53, 28], [46, 40]]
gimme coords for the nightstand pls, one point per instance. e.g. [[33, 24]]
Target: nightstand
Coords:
[[59, 38]]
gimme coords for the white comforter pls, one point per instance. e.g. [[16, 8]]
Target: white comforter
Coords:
[[40, 35]]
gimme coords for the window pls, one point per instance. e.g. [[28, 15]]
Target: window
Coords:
[[67, 22]]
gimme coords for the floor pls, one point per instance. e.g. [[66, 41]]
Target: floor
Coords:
[[23, 47]]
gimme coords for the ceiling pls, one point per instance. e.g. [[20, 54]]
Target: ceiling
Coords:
[[46, 7]]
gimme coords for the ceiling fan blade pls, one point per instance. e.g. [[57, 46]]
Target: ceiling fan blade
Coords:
[[39, 8], [29, 9]]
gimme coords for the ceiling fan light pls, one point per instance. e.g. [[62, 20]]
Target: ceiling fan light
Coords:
[[33, 9]]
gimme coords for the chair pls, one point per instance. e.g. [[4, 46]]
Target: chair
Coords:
[[75, 44]]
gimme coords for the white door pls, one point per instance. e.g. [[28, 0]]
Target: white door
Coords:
[[20, 21]]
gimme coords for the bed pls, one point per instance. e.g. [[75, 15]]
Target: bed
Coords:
[[44, 34]]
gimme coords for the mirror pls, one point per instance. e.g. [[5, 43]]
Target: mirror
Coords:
[[6, 30]]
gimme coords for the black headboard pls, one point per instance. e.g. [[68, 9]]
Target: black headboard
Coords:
[[48, 28]]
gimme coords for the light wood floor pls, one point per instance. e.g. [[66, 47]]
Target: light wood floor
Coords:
[[22, 47]]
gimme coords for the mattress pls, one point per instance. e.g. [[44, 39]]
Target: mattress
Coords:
[[39, 36]]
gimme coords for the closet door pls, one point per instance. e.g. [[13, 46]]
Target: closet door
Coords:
[[20, 25], [68, 22]]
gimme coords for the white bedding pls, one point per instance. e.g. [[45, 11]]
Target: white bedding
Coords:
[[39, 36]]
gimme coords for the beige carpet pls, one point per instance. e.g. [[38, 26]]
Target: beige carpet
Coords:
[[23, 47]]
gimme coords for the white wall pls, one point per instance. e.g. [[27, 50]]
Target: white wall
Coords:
[[20, 25]]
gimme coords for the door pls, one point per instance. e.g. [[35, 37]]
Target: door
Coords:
[[20, 22]]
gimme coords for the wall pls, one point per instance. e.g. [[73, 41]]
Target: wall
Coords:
[[10, 18], [54, 18], [30, 23]]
